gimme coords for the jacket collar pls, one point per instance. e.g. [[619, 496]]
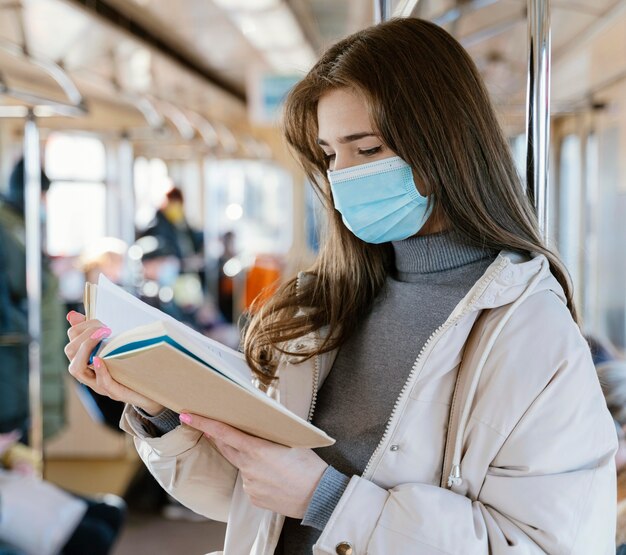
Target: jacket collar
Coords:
[[507, 278]]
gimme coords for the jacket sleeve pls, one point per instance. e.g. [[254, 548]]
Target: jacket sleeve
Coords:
[[550, 487], [186, 465]]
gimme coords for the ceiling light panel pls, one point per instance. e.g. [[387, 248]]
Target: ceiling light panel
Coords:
[[270, 30]]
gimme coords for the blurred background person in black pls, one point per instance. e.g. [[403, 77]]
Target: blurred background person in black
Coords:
[[170, 227], [97, 521], [611, 368], [226, 281], [14, 408]]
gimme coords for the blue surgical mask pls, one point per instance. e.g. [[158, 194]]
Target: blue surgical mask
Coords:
[[379, 202]]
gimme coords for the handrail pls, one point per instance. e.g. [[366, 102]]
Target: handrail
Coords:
[[227, 139], [177, 117], [76, 103], [37, 101], [148, 110], [204, 127]]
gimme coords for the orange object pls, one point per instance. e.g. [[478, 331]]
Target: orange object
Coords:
[[262, 279]]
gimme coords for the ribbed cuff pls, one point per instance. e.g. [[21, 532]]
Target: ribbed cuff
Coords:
[[163, 422], [325, 498]]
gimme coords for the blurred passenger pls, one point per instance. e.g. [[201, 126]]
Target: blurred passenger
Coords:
[[612, 374], [161, 268], [105, 256], [171, 228], [14, 408], [434, 300], [77, 525], [166, 288], [226, 284]]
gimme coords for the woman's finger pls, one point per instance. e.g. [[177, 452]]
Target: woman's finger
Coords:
[[93, 334], [104, 381], [83, 375], [218, 430], [109, 386], [79, 362], [74, 331], [75, 318], [114, 389]]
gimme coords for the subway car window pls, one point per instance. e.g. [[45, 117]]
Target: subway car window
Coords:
[[571, 244], [151, 184], [75, 203], [254, 202], [610, 234], [312, 277]]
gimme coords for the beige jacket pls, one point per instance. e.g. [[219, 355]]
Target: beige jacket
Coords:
[[531, 442]]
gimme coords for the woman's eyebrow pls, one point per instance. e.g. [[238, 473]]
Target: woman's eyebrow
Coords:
[[349, 138]]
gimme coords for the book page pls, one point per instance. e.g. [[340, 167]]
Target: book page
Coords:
[[121, 311]]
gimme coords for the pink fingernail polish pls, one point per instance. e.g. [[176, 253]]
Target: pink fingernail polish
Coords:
[[101, 333], [185, 418], [97, 363]]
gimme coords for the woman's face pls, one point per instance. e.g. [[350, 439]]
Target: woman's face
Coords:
[[346, 134], [348, 138]]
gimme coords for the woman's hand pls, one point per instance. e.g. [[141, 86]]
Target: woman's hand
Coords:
[[281, 479], [84, 336]]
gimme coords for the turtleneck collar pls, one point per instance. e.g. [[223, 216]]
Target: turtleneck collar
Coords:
[[438, 252]]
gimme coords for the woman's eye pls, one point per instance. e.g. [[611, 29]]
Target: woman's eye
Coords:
[[370, 151], [329, 157]]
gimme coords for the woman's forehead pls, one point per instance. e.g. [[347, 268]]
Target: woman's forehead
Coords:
[[342, 112]]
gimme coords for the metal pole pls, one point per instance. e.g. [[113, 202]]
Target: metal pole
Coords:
[[538, 109], [32, 216], [211, 228], [125, 167], [382, 10]]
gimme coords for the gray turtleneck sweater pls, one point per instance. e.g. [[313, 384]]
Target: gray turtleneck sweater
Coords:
[[432, 274]]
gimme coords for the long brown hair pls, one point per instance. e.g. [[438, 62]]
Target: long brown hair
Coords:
[[427, 101]]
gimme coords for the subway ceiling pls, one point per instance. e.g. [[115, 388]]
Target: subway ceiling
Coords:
[[200, 54]]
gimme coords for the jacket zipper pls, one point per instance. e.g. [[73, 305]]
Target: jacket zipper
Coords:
[[449, 323], [316, 370], [316, 378]]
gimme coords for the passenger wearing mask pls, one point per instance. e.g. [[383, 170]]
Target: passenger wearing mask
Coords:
[[171, 228], [435, 338], [14, 321], [160, 269]]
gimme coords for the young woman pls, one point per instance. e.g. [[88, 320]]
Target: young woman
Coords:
[[435, 339]]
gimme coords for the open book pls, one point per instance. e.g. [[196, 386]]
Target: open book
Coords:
[[157, 356]]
